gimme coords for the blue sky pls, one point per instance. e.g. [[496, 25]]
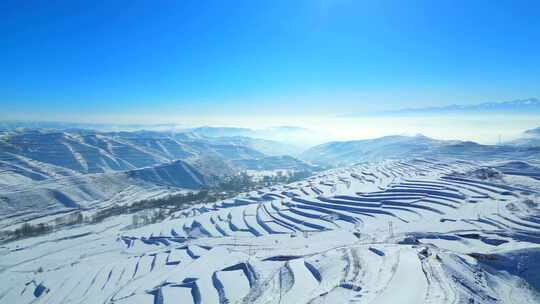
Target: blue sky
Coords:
[[164, 61]]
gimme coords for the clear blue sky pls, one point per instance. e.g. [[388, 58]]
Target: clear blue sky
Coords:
[[62, 60]]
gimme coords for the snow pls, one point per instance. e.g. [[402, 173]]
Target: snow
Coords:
[[405, 231], [62, 195], [408, 284]]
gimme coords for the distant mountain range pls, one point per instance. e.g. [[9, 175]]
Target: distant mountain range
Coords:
[[279, 140], [519, 106], [294, 139], [104, 127]]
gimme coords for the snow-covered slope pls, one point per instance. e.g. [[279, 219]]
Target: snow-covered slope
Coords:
[[16, 169], [363, 150], [87, 151], [268, 147], [43, 172], [398, 146], [38, 199], [403, 231], [529, 138], [272, 163]]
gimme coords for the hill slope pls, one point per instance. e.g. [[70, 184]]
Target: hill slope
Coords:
[[404, 231], [86, 151], [49, 196], [529, 138], [349, 152]]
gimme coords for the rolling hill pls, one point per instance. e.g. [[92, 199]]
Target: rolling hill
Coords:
[[398, 146]]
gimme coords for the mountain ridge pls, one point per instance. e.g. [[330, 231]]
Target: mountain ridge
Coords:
[[517, 106], [402, 146]]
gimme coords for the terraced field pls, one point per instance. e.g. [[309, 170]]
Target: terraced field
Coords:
[[415, 231]]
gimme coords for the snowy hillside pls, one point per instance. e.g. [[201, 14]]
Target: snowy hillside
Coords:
[[529, 138], [399, 146], [17, 169], [96, 152], [25, 201], [405, 231], [48, 172], [272, 163]]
